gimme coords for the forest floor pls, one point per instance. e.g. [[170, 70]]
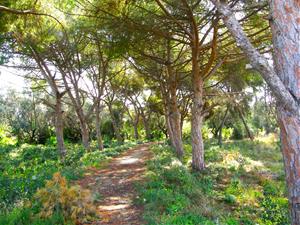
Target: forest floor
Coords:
[[114, 184]]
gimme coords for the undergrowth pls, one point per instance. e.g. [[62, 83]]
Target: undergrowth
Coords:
[[242, 184], [25, 169]]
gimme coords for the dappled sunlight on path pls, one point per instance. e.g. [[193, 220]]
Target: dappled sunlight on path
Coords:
[[115, 185]]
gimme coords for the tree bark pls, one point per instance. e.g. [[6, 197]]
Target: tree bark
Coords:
[[175, 115], [168, 125], [98, 131], [197, 140], [290, 146], [136, 132], [59, 127], [285, 24], [197, 119], [84, 133], [136, 123], [258, 61]]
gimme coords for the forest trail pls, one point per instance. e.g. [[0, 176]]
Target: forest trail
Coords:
[[115, 185]]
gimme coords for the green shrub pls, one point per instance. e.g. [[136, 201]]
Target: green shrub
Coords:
[[232, 221], [229, 198], [275, 210], [25, 216], [270, 188], [6, 137], [186, 219]]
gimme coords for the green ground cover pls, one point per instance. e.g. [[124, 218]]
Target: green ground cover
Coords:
[[25, 168], [243, 184]]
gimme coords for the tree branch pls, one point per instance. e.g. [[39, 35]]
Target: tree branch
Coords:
[[258, 61]]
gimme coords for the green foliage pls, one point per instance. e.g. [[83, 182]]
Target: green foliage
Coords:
[[171, 192], [6, 137], [241, 185], [25, 216], [275, 208], [24, 118], [24, 169]]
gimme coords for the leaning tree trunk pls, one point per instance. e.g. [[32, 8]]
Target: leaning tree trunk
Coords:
[[59, 128], [98, 131], [248, 131], [284, 82], [285, 24]]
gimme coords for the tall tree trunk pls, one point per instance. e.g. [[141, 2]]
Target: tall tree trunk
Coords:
[[285, 24], [85, 135], [168, 126], [166, 102], [176, 133], [136, 124], [78, 109], [59, 127], [290, 146], [175, 116], [197, 119], [98, 131], [136, 130], [197, 140]]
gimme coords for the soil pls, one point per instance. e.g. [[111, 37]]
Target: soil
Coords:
[[115, 184]]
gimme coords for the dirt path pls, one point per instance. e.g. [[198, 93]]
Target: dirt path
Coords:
[[115, 184]]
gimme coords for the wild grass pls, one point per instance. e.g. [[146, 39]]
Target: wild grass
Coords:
[[242, 184], [25, 169]]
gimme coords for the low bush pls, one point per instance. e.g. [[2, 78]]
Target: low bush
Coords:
[[57, 198]]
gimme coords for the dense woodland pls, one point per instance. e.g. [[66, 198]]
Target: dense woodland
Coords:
[[212, 87]]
